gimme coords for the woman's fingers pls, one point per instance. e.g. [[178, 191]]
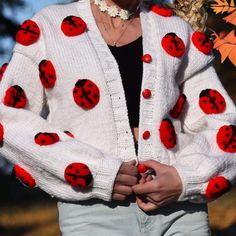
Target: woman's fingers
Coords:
[[120, 192], [142, 180], [118, 197], [144, 205], [131, 163], [147, 187], [128, 169], [126, 180], [148, 199], [121, 189], [126, 177], [149, 178]]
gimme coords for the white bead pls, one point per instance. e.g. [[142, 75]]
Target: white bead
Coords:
[[124, 14], [113, 11], [103, 6], [97, 2]]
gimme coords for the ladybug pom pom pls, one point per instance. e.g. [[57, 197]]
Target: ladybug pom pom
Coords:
[[15, 97], [226, 138], [211, 101], [28, 33], [217, 187], [24, 176], [2, 70], [73, 26], [86, 94], [78, 175], [176, 111], [47, 74], [202, 43], [44, 139], [173, 45], [160, 10], [167, 134]]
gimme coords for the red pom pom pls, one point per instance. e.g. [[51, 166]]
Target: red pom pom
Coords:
[[1, 133], [78, 175], [15, 97], [28, 33], [26, 178], [146, 93], [146, 134], [69, 134], [141, 168], [47, 74], [73, 26], [217, 187], [147, 58], [44, 139], [202, 43], [2, 70], [86, 94], [162, 11], [226, 138], [173, 45], [176, 111], [167, 134], [211, 101]]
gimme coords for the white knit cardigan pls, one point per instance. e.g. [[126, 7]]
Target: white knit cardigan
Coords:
[[103, 137]]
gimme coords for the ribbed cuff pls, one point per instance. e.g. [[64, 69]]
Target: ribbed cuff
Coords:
[[105, 177], [192, 188]]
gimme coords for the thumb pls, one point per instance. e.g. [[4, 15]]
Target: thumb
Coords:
[[131, 163]]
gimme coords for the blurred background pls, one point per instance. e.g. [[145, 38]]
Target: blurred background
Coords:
[[25, 212]]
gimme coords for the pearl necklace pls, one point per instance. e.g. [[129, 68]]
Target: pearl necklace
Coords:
[[113, 11]]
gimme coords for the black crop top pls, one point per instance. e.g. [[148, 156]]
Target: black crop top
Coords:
[[129, 59]]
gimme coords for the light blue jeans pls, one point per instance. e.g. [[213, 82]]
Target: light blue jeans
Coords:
[[98, 218]]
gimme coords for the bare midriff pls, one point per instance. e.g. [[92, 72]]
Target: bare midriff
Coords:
[[135, 133]]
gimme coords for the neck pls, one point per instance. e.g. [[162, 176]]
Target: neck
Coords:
[[130, 5]]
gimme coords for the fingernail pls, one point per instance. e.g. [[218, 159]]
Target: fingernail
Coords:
[[150, 172]]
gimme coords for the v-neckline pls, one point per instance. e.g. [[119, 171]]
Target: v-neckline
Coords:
[[109, 65], [130, 44]]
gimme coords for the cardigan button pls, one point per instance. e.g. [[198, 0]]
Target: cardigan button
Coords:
[[146, 134], [147, 58], [141, 168], [146, 93]]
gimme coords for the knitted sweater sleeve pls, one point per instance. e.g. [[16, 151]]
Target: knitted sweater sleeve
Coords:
[[22, 98], [207, 163]]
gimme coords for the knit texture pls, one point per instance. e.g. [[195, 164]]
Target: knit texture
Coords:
[[86, 98]]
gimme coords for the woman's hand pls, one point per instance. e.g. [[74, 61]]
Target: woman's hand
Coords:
[[127, 176], [165, 188]]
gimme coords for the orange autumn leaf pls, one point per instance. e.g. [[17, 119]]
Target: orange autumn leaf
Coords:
[[222, 6], [231, 18], [226, 45]]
